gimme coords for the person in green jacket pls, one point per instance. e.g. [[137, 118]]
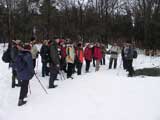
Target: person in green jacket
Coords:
[[54, 63]]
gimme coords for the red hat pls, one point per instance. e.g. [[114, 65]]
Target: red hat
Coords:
[[27, 47]]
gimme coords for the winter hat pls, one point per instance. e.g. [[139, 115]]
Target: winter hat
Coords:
[[79, 45], [61, 41], [16, 41], [129, 42], [68, 40], [33, 39], [27, 46]]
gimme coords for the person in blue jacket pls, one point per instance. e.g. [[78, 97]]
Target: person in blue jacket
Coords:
[[129, 55], [25, 70]]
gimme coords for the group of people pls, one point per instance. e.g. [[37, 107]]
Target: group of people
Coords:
[[61, 55], [68, 57]]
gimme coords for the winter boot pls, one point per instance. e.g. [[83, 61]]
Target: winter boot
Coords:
[[13, 83], [21, 102], [19, 83], [53, 86], [69, 77]]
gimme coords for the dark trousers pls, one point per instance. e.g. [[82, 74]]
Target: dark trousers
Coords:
[[45, 69], [70, 70], [130, 67], [34, 63], [103, 61], [24, 89], [14, 77], [53, 74], [79, 68], [111, 62], [87, 65], [74, 66], [94, 64], [124, 64]]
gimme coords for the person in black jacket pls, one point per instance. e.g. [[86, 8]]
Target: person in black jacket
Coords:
[[123, 57], [14, 52], [44, 52], [129, 53]]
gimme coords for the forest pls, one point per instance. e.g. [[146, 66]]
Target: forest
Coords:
[[106, 21]]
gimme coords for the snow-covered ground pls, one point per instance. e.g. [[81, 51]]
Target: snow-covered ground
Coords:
[[103, 95]]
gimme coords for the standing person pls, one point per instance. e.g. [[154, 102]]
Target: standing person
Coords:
[[104, 51], [14, 53], [88, 56], [93, 47], [70, 58], [25, 71], [34, 51], [44, 52], [114, 56], [63, 56], [75, 60], [79, 58], [123, 57], [129, 53], [97, 55], [54, 63]]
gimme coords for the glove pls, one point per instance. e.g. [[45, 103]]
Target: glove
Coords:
[[58, 65]]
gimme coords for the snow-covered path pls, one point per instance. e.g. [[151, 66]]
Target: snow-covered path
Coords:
[[103, 95]]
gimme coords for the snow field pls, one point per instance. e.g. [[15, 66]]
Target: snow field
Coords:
[[103, 95]]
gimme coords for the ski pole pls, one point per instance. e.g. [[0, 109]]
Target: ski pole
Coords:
[[37, 65], [119, 67], [41, 84], [30, 89], [62, 75]]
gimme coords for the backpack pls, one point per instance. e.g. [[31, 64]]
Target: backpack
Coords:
[[20, 63], [24, 66], [129, 53], [6, 57], [135, 54]]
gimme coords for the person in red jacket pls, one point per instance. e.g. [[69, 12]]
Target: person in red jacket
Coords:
[[88, 56], [63, 56], [97, 55], [79, 58]]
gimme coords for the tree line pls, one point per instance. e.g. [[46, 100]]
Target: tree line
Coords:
[[86, 20]]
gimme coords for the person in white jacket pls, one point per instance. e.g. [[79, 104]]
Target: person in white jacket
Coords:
[[34, 52], [114, 56]]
